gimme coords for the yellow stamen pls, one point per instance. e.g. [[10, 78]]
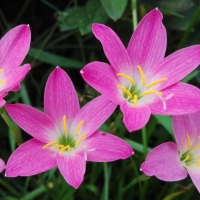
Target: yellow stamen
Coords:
[[49, 144], [2, 81], [64, 148], [187, 157], [80, 139], [1, 70], [151, 92], [78, 128], [198, 163], [135, 98], [156, 82], [57, 146], [196, 147], [127, 77], [189, 142], [65, 124], [125, 90], [142, 75]]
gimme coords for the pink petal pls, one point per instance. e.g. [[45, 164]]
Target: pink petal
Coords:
[[148, 43], [60, 96], [183, 127], [72, 167], [2, 102], [164, 163], [113, 48], [30, 159], [195, 176], [2, 165], [185, 100], [34, 122], [95, 113], [16, 88], [14, 77], [102, 77], [105, 147], [14, 46], [135, 117], [177, 65]]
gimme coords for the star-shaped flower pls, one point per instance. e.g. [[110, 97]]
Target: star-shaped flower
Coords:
[[139, 78]]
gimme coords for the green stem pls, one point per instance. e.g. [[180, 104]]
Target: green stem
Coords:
[[106, 177], [115, 123], [134, 13], [144, 141], [14, 129]]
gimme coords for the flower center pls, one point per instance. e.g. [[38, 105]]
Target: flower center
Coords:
[[132, 94], [67, 141], [191, 157]]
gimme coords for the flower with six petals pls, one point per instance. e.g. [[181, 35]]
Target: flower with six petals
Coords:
[[139, 78], [64, 135], [170, 161], [13, 48]]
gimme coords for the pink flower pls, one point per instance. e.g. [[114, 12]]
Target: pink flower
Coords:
[[140, 79], [2, 165], [64, 135], [13, 48], [170, 161]]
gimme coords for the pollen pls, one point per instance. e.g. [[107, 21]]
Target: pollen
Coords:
[[142, 75], [125, 90], [187, 157], [65, 124], [135, 98], [80, 139], [127, 77], [1, 70], [64, 148], [2, 81], [152, 92], [156, 82], [49, 144], [189, 141], [78, 128]]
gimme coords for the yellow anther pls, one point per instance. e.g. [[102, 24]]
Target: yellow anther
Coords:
[[80, 139], [187, 157], [127, 77], [1, 70], [142, 75], [196, 147], [78, 128], [2, 81], [65, 124], [156, 82], [125, 90], [151, 92], [49, 144], [57, 146], [135, 98], [64, 148], [189, 141]]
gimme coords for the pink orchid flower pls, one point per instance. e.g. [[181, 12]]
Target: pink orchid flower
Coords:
[[2, 165], [64, 135], [139, 78], [170, 161], [13, 48]]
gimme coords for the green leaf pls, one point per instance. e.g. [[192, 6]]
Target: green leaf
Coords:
[[114, 8], [82, 17], [54, 59]]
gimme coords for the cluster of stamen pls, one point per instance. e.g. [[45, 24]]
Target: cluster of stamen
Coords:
[[189, 157], [62, 147], [134, 97]]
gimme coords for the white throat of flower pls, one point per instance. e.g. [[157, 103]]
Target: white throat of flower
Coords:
[[132, 93]]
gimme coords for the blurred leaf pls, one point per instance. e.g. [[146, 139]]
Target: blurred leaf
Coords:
[[54, 59], [114, 8], [82, 17]]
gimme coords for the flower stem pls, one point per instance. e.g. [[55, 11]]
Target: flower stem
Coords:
[[106, 177], [114, 124], [14, 129], [144, 141], [134, 13]]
